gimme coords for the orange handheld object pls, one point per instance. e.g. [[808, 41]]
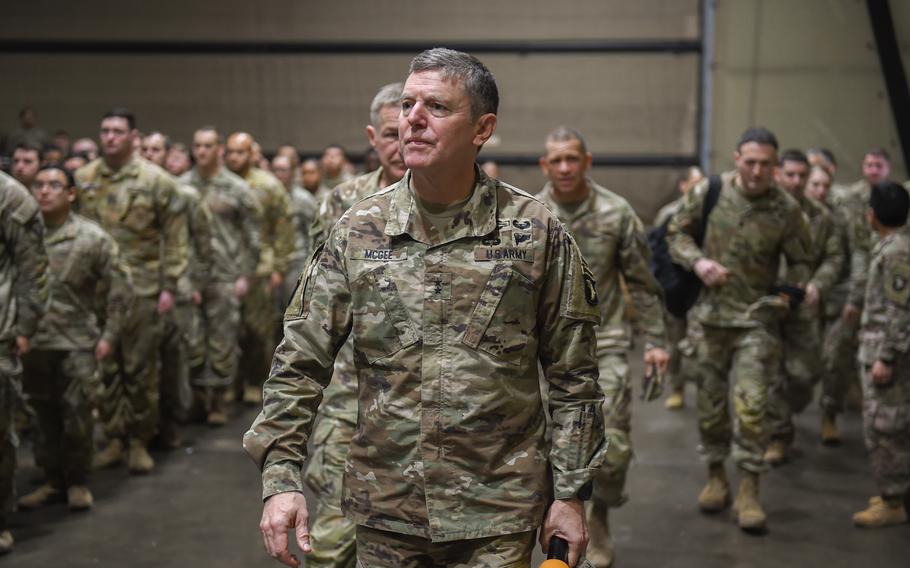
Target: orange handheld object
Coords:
[[558, 554]]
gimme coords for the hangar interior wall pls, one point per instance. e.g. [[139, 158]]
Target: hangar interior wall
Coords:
[[805, 69]]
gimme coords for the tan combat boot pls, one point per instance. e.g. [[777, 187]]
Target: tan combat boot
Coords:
[[881, 513], [252, 395], [676, 400], [79, 498], [109, 456], [749, 514], [216, 416], [776, 453], [41, 496], [830, 433], [600, 548], [140, 462], [6, 542], [716, 494]]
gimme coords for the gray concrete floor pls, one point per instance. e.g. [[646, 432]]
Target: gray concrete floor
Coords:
[[201, 507]]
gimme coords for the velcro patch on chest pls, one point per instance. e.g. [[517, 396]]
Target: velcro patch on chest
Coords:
[[379, 255], [489, 254]]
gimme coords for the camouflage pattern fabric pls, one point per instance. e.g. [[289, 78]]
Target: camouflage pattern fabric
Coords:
[[676, 327], [332, 535], [23, 294], [62, 388], [749, 236], [885, 336], [450, 441], [800, 331], [855, 203], [303, 211], [381, 549]]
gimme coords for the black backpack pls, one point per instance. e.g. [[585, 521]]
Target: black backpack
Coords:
[[680, 286]]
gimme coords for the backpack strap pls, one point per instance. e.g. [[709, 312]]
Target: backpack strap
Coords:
[[715, 184]]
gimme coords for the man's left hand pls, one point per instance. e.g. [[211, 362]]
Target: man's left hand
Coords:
[[658, 358], [276, 280], [566, 519], [23, 345], [812, 294], [881, 373]]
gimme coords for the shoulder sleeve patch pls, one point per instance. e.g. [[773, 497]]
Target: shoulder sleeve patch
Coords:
[[897, 284]]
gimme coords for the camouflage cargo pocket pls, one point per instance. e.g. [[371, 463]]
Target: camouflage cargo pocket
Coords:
[[381, 325], [503, 317], [890, 420], [139, 212]]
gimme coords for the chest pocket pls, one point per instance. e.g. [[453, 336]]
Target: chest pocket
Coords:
[[761, 232], [501, 322], [139, 211], [381, 324]]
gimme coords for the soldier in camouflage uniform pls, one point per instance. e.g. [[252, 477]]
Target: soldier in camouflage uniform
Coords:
[[88, 286], [303, 211], [332, 163], [234, 220], [23, 293], [333, 535], [676, 326], [434, 282], [800, 330], [852, 203], [276, 235], [885, 357], [612, 239], [751, 229], [311, 179], [135, 202], [182, 334]]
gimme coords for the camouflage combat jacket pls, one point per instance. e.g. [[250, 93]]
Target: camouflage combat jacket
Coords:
[[340, 398], [303, 211], [612, 239], [233, 213], [136, 205], [827, 255], [276, 232], [23, 262], [88, 285], [748, 236], [836, 296], [449, 333], [854, 203], [199, 239], [886, 314]]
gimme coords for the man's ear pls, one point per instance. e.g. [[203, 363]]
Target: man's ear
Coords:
[[371, 134], [486, 126]]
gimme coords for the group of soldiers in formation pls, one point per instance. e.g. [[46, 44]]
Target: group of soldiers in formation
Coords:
[[423, 304]]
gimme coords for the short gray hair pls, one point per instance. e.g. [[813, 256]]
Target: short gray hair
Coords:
[[474, 76], [389, 95], [565, 134]]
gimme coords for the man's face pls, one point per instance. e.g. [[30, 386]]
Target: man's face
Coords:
[[332, 161], [25, 165], [755, 163], [819, 185], [310, 176], [792, 176], [565, 165], [116, 137], [177, 162], [52, 192], [206, 149], [436, 128], [384, 139], [239, 155], [73, 163], [875, 169], [281, 167], [154, 149], [86, 146]]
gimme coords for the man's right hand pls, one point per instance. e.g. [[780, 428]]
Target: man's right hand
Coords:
[[280, 513], [711, 272], [850, 313]]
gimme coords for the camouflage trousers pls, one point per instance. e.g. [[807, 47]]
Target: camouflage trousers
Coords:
[[331, 533], [748, 357], [217, 354], [10, 373], [258, 334], [610, 480], [676, 332], [175, 365], [839, 362], [130, 406], [797, 376], [381, 549], [62, 387], [886, 428]]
